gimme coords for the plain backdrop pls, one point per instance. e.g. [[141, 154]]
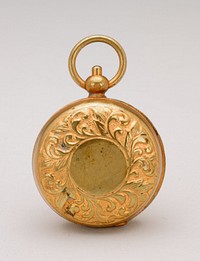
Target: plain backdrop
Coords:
[[162, 43]]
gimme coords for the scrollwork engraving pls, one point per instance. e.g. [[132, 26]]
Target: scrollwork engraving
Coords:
[[107, 123]]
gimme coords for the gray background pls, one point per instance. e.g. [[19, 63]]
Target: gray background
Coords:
[[162, 43]]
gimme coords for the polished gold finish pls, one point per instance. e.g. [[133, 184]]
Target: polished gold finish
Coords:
[[97, 84], [91, 39], [98, 161]]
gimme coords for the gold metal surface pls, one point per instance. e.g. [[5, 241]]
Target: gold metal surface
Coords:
[[97, 84], [98, 166], [91, 39], [98, 161]]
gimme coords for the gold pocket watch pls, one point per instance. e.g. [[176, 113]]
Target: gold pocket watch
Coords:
[[98, 161]]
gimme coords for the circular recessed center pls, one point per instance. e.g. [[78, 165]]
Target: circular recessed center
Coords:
[[98, 166]]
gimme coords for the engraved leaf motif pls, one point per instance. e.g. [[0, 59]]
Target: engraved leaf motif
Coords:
[[93, 122]]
